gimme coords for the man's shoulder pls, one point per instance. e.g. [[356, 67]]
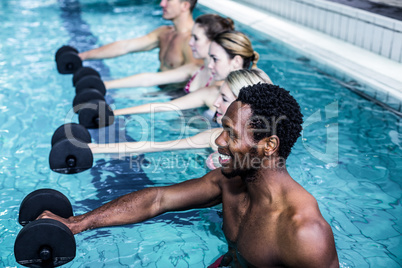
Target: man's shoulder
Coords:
[[311, 236], [215, 176], [304, 214], [162, 30]]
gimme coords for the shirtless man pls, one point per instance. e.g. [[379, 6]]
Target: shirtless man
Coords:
[[269, 220], [171, 40]]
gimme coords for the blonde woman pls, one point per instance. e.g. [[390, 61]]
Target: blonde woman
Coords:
[[229, 51], [228, 93], [206, 27]]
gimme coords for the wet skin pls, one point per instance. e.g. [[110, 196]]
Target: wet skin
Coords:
[[269, 220], [173, 43]]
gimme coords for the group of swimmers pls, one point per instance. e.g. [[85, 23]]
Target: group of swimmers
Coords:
[[269, 220], [220, 53]]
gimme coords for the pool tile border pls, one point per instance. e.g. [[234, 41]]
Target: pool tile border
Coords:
[[345, 60]]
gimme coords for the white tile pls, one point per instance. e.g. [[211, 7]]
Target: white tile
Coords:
[[282, 7], [278, 7], [286, 10], [315, 18], [309, 16], [377, 39], [322, 4], [386, 43], [322, 20], [336, 24], [384, 21], [296, 6], [368, 36], [292, 12], [396, 50], [306, 14], [360, 28], [332, 6], [344, 28], [329, 22], [351, 36], [365, 16], [267, 5], [300, 15], [275, 7], [255, 2], [349, 11], [398, 26], [305, 18]]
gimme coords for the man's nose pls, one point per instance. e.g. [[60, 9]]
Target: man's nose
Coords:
[[220, 140]]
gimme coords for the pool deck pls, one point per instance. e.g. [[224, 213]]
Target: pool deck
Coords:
[[377, 72]]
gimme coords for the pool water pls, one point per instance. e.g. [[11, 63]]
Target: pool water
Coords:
[[349, 157]]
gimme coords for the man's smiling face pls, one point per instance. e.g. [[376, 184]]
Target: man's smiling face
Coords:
[[237, 147]]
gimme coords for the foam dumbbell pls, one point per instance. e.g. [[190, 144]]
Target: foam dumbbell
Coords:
[[90, 81], [70, 152], [82, 72], [85, 96], [44, 242], [67, 60], [95, 114]]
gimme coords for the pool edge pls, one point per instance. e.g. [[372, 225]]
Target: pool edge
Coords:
[[328, 53]]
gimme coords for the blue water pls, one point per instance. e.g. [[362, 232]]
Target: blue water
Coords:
[[349, 158]]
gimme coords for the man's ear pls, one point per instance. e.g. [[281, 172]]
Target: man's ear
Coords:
[[271, 145], [185, 5]]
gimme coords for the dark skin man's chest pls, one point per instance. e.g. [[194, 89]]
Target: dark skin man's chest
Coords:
[[250, 231]]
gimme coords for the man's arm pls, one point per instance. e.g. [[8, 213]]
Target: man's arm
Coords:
[[147, 203], [122, 47]]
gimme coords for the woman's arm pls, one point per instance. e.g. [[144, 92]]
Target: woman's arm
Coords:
[[180, 74], [193, 100], [204, 139]]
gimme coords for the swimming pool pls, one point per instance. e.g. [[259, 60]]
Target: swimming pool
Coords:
[[349, 158]]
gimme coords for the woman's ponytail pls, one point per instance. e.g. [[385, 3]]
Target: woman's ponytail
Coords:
[[255, 59]]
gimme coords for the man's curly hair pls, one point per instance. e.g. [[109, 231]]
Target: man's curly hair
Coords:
[[275, 112]]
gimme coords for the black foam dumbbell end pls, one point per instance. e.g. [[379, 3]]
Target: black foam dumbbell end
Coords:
[[44, 243], [82, 72], [44, 199], [68, 62], [96, 114], [64, 49], [90, 81], [71, 131], [70, 156], [85, 96]]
